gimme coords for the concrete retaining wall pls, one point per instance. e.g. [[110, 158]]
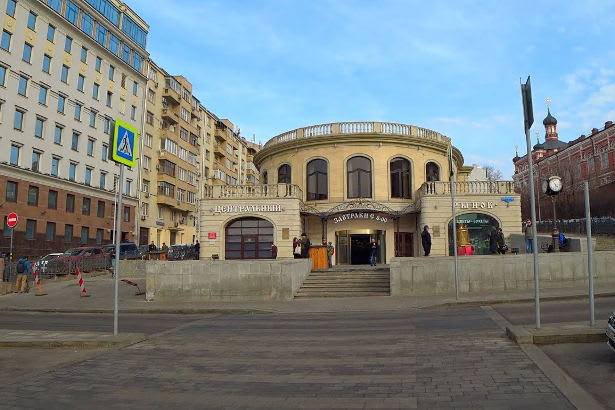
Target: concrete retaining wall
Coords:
[[225, 280], [436, 276]]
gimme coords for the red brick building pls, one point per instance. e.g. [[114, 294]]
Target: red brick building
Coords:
[[587, 158]]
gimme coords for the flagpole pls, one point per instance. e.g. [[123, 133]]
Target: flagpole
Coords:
[[454, 221]]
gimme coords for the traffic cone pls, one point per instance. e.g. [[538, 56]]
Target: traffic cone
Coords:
[[37, 279]]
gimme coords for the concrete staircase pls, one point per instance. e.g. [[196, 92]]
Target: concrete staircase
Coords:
[[347, 281]]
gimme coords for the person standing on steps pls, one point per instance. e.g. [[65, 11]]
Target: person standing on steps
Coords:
[[373, 252], [426, 240]]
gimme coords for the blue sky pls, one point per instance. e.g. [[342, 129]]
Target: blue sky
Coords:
[[450, 66]]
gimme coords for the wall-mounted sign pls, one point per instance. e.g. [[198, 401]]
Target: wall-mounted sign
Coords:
[[359, 215], [211, 235], [240, 209], [475, 205]]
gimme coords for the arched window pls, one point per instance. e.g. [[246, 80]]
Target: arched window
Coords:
[[400, 178], [359, 176], [284, 174], [317, 180], [248, 238], [432, 172], [265, 178]]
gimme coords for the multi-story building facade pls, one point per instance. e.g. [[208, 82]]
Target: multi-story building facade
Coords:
[[587, 158], [171, 160], [68, 69]]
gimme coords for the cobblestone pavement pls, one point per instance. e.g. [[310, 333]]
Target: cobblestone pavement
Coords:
[[455, 358]]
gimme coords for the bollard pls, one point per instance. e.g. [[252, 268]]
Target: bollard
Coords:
[[37, 279], [84, 291]]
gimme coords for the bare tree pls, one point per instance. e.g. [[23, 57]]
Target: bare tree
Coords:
[[492, 173]]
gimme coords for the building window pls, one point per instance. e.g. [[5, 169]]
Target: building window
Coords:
[[11, 191], [101, 209], [50, 232], [64, 74], [248, 238], [38, 127], [33, 195], [42, 95], [32, 21], [68, 233], [72, 170], [126, 214], [36, 161], [18, 120], [317, 180], [80, 81], [432, 172], [105, 152], [52, 199], [30, 228], [23, 85], [61, 103], [51, 32], [68, 43], [46, 63], [55, 166], [14, 159], [400, 178], [70, 203], [5, 43], [359, 177], [98, 63], [88, 176], [103, 180], [27, 52], [284, 174], [85, 208], [57, 136], [84, 55], [99, 236], [95, 89], [75, 142]]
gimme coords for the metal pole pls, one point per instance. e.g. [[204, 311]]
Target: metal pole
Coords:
[[454, 221], [590, 268], [534, 233], [118, 229]]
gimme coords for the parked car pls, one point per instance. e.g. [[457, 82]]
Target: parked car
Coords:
[[128, 250], [610, 331], [86, 258], [41, 264]]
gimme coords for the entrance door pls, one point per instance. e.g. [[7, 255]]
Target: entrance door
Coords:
[[359, 249]]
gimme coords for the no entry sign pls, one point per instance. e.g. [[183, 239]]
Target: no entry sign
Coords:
[[11, 220]]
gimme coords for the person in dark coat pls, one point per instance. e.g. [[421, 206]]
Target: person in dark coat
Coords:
[[493, 241], [305, 245], [426, 240]]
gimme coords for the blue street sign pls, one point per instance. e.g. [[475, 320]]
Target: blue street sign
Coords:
[[124, 148]]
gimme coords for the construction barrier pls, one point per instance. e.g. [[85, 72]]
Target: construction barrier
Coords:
[[84, 291], [129, 282], [37, 279]]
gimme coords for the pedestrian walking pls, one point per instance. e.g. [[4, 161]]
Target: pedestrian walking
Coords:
[[330, 252], [529, 237], [373, 252], [197, 249], [23, 268], [305, 245], [296, 248], [426, 240], [274, 251]]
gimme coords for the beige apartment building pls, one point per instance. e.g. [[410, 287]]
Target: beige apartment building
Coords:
[[68, 69], [171, 160]]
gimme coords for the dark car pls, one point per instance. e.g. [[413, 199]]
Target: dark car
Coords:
[[128, 250]]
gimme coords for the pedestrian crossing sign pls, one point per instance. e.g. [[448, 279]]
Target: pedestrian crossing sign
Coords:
[[124, 148]]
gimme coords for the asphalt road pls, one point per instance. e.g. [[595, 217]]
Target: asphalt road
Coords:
[[454, 358]]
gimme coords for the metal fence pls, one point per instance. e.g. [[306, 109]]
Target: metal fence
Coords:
[[600, 226]]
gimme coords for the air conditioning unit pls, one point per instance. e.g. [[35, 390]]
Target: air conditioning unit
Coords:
[[143, 217]]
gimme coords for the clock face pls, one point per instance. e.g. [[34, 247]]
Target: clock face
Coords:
[[555, 184]]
